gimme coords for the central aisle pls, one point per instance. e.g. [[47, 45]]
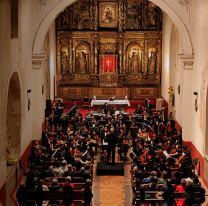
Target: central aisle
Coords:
[[112, 190]]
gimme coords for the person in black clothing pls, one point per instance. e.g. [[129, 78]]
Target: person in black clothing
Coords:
[[53, 121], [21, 195], [86, 99], [111, 149], [106, 108], [139, 109], [87, 193], [172, 124]]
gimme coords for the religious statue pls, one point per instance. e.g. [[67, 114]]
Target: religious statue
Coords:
[[134, 63], [152, 64], [81, 62], [64, 63]]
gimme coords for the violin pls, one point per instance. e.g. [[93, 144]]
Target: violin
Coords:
[[144, 155], [180, 159]]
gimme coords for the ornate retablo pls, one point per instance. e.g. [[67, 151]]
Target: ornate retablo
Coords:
[[109, 43]]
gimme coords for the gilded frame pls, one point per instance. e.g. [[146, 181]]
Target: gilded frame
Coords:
[[108, 14]]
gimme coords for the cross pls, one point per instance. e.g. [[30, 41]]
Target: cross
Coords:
[[108, 63]]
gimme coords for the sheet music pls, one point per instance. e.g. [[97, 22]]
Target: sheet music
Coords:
[[132, 152], [105, 143], [166, 154]]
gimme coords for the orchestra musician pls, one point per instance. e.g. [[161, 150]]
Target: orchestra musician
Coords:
[[139, 109], [106, 108], [111, 147]]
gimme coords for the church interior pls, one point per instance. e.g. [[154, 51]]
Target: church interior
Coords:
[[103, 102]]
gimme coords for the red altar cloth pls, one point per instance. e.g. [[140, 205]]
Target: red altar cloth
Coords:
[[108, 63]]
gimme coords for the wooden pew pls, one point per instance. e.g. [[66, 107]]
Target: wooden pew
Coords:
[[52, 195], [75, 180], [77, 186], [155, 195], [33, 203]]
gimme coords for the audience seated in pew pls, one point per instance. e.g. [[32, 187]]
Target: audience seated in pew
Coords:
[[160, 162]]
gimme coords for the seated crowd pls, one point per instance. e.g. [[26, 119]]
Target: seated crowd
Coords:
[[160, 162], [63, 159]]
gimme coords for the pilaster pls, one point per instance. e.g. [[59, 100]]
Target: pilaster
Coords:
[[37, 60], [37, 101], [187, 91]]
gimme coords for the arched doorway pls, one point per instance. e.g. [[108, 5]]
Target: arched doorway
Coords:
[[13, 115], [206, 132]]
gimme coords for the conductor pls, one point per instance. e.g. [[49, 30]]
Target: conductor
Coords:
[[111, 148]]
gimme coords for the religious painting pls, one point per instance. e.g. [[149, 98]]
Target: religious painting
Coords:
[[108, 63], [63, 20], [76, 16], [134, 15], [154, 16], [134, 59], [81, 15], [108, 14], [82, 58], [87, 15]]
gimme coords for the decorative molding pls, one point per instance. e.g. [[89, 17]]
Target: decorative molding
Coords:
[[184, 3], [188, 61], [43, 3], [37, 60]]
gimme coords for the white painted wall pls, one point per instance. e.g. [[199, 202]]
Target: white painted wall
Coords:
[[199, 34], [4, 67], [173, 75], [193, 123], [16, 56], [52, 59], [166, 56]]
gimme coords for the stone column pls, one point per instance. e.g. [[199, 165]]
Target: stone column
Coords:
[[35, 97], [187, 92], [95, 57], [95, 15], [121, 16], [124, 58], [73, 58], [70, 57], [120, 52], [91, 63]]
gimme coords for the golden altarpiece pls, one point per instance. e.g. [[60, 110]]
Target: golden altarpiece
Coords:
[[109, 48]]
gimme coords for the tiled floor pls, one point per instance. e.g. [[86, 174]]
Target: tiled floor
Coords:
[[112, 190]]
